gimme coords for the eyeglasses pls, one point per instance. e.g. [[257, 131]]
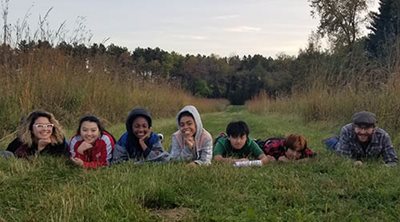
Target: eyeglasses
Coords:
[[365, 128], [44, 126]]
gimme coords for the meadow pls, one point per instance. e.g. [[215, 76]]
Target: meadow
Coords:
[[327, 188]]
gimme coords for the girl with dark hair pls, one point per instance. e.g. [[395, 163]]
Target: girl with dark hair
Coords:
[[139, 143], [191, 143], [39, 133], [92, 145]]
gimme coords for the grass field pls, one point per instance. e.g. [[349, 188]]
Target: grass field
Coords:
[[328, 188]]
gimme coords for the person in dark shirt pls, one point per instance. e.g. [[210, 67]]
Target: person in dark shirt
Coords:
[[39, 133]]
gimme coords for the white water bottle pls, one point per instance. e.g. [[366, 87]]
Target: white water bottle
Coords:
[[247, 163]]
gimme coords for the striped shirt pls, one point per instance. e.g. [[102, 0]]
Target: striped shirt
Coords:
[[380, 145]]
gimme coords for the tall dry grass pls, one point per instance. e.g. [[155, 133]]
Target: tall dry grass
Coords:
[[50, 80], [367, 90]]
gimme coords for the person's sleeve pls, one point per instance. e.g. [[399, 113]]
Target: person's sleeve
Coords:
[[72, 150], [119, 154], [175, 149], [153, 150], [156, 153], [343, 146], [308, 153], [256, 150], [13, 146], [109, 145], [206, 152], [64, 148], [389, 154], [218, 149]]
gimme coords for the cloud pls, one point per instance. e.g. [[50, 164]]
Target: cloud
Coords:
[[243, 29], [193, 37], [226, 17]]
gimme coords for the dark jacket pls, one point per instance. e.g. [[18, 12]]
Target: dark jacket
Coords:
[[128, 146], [22, 150]]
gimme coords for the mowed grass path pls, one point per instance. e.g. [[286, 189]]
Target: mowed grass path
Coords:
[[328, 188]]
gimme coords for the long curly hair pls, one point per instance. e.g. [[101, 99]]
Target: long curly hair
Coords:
[[25, 133]]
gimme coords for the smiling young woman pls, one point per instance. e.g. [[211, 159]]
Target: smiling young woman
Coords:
[[92, 145], [39, 133]]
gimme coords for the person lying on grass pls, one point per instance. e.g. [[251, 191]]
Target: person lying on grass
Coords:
[[191, 143], [237, 146], [139, 143], [293, 147], [39, 133], [362, 139], [92, 145]]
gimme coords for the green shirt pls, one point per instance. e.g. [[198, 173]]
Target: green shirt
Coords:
[[250, 150]]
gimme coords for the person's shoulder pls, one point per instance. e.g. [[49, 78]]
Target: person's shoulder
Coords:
[[76, 137], [381, 132], [206, 134], [124, 136], [108, 135], [123, 139], [252, 143], [347, 129], [348, 126], [176, 133], [222, 140], [154, 138], [14, 144]]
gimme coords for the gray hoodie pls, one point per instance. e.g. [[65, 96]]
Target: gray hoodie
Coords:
[[202, 153]]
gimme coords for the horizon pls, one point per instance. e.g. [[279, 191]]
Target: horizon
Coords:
[[223, 28]]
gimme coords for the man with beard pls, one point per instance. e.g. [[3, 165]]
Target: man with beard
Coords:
[[361, 139]]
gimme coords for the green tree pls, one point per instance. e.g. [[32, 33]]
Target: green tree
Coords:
[[385, 28], [340, 20]]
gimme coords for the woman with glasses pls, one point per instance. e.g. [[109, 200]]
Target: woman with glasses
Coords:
[[39, 133]]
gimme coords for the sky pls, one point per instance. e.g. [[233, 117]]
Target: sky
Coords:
[[221, 27]]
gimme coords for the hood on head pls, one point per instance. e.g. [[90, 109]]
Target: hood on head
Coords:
[[136, 112], [197, 119]]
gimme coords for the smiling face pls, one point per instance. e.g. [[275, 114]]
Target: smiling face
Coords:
[[238, 142], [364, 133], [89, 131], [140, 127], [187, 126], [42, 128]]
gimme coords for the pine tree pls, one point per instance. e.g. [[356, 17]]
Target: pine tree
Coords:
[[385, 28]]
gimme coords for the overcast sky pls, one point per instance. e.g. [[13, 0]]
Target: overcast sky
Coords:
[[222, 27]]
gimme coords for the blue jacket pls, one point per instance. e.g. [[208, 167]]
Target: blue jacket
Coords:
[[128, 146]]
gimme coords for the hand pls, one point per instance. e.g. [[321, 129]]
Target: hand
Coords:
[[189, 141], [143, 139], [77, 161], [358, 163], [84, 146], [191, 164], [283, 159], [267, 159], [42, 143]]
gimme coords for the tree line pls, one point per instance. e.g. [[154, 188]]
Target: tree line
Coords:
[[350, 58]]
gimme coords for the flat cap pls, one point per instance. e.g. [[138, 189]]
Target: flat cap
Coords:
[[364, 117]]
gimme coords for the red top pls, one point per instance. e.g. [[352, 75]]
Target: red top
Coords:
[[99, 155]]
